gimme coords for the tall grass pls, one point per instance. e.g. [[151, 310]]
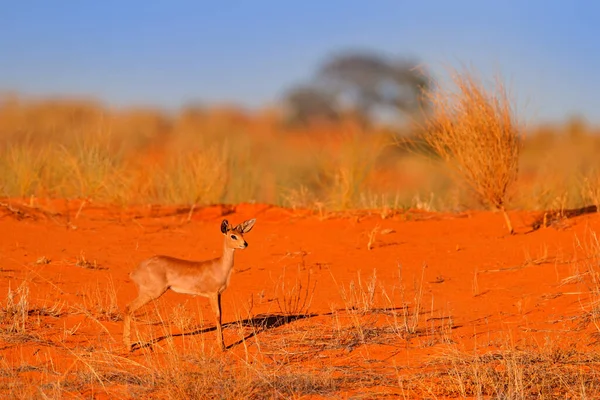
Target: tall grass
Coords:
[[475, 131], [197, 177], [68, 149]]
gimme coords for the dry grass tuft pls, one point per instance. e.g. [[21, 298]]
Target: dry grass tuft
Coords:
[[19, 317], [294, 299], [83, 262], [15, 311], [591, 189], [549, 372], [475, 131]]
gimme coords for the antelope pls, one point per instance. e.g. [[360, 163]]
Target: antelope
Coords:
[[207, 278]]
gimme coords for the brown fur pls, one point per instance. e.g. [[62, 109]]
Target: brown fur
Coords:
[[208, 278]]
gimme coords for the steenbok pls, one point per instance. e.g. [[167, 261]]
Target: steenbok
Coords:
[[208, 278]]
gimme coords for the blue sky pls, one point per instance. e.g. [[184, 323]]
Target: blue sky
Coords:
[[169, 53]]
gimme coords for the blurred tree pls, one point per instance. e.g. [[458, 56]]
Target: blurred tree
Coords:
[[372, 85], [307, 103], [367, 85]]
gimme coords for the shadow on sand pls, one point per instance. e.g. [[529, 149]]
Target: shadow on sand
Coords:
[[261, 323], [548, 218], [264, 322]]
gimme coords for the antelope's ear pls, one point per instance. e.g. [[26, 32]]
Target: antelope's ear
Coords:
[[246, 226], [224, 226]]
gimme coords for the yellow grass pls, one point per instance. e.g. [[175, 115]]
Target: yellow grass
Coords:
[[475, 131], [79, 149]]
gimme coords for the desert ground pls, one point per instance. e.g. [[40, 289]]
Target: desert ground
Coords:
[[355, 304]]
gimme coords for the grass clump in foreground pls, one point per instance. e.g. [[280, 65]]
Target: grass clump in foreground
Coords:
[[475, 131], [547, 372]]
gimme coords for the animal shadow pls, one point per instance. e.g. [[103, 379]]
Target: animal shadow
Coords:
[[261, 323]]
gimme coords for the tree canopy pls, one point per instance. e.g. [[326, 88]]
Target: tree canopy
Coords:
[[366, 84]]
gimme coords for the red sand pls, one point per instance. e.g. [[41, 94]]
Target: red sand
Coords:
[[489, 287]]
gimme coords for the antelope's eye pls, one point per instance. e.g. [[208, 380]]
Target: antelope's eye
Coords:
[[234, 237]]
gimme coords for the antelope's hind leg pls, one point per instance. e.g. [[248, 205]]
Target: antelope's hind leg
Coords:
[[143, 298]]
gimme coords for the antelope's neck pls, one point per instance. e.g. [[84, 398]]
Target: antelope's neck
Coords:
[[227, 259]]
